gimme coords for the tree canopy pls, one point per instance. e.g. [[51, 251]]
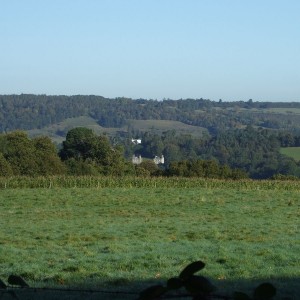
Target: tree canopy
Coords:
[[28, 111], [235, 154], [94, 153], [20, 155]]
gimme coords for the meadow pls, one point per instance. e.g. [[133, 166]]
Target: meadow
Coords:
[[159, 126], [293, 152], [154, 126], [117, 236]]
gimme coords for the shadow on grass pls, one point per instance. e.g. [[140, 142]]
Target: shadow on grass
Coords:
[[287, 289]]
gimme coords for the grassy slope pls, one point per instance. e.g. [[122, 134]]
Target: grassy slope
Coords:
[[66, 125], [157, 126], [287, 110], [98, 237], [293, 152], [274, 110]]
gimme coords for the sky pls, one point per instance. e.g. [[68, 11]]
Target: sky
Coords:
[[152, 49]]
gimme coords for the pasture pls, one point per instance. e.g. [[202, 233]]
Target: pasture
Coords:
[[155, 126], [127, 237], [159, 126], [293, 152]]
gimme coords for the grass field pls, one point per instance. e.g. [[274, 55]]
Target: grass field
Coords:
[[159, 126], [283, 110], [156, 126], [127, 237], [66, 125], [293, 152]]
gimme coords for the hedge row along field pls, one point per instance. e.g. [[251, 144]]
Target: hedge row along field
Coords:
[[140, 182]]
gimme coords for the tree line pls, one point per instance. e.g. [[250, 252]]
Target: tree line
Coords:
[[85, 153], [28, 111], [254, 151], [231, 154]]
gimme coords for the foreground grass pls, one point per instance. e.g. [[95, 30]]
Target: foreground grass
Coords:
[[111, 237]]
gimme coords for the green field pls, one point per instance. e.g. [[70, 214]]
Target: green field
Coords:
[[159, 126], [286, 110], [156, 126], [67, 125], [124, 238], [293, 152]]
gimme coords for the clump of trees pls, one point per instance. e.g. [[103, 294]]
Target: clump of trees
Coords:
[[254, 151], [231, 154], [20, 155], [85, 153], [204, 169], [82, 153]]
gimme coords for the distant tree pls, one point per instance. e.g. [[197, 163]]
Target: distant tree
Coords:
[[5, 168], [80, 167], [31, 157], [203, 169], [172, 153], [92, 152], [78, 144], [20, 153], [287, 139], [254, 151], [150, 166], [47, 158]]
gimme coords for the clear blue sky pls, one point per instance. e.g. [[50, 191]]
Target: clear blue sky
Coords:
[[228, 49]]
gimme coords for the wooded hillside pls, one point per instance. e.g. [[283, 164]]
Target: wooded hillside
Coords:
[[37, 111], [248, 136]]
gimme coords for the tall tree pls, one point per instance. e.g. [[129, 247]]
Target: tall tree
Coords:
[[78, 144], [5, 168], [19, 151], [47, 158], [83, 145]]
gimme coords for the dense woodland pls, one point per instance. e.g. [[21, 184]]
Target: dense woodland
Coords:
[[243, 138], [36, 111], [85, 153]]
